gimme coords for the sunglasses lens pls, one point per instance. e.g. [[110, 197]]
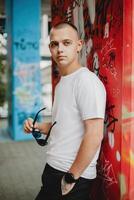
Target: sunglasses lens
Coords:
[[41, 142], [36, 134]]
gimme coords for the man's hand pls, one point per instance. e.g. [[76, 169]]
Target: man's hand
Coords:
[[66, 187], [28, 125], [42, 127]]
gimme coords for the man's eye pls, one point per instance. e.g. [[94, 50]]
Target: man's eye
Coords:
[[53, 44], [67, 43]]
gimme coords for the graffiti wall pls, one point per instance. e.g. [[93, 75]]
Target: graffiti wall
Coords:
[[23, 26], [127, 165], [100, 24]]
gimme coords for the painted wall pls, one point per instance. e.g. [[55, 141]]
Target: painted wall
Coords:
[[101, 25], [127, 143], [23, 27]]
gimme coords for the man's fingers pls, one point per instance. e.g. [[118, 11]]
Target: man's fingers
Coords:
[[66, 187], [28, 124]]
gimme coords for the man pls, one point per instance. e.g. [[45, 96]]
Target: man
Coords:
[[78, 109]]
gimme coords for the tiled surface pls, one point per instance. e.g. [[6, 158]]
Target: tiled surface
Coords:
[[21, 166]]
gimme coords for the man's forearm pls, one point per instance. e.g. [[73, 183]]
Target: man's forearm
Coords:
[[87, 150]]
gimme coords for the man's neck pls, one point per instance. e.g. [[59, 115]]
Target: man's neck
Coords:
[[66, 70]]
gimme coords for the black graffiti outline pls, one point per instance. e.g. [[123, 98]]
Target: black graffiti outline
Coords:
[[110, 119], [101, 14], [104, 79]]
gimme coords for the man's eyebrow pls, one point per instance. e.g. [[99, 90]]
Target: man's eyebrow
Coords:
[[61, 40], [67, 39], [53, 41]]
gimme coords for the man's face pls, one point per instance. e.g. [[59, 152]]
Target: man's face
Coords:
[[64, 46]]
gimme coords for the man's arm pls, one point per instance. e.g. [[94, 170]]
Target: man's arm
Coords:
[[92, 139]]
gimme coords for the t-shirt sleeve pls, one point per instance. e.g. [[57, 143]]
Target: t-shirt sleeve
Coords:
[[91, 98]]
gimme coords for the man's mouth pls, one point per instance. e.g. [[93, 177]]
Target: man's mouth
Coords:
[[61, 57]]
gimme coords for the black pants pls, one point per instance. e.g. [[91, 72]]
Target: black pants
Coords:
[[51, 187]]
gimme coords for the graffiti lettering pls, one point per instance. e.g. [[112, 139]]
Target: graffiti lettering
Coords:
[[69, 14], [109, 57], [101, 16], [108, 46], [110, 119], [87, 24], [96, 68], [23, 45], [106, 171]]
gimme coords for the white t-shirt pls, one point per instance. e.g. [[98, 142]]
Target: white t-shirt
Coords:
[[78, 96]]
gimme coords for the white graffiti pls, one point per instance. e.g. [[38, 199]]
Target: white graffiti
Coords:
[[107, 172], [111, 139], [106, 31], [89, 46], [109, 46], [96, 63]]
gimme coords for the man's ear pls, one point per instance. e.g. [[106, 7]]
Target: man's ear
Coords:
[[80, 44]]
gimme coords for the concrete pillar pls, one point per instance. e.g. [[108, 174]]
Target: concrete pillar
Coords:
[[23, 27]]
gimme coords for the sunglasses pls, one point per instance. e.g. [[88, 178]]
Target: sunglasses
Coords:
[[37, 134]]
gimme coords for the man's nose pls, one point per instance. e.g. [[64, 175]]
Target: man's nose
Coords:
[[60, 47]]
